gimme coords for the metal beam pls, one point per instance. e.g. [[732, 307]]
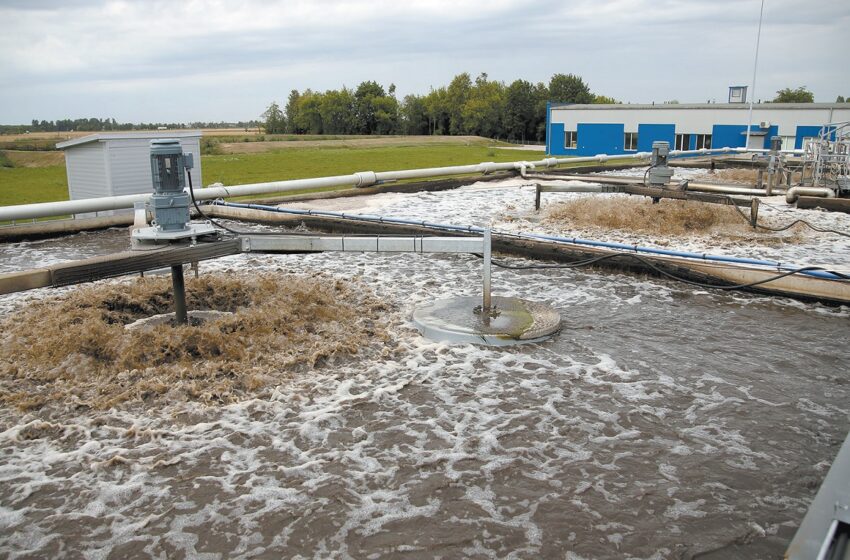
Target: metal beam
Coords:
[[110, 266], [359, 244]]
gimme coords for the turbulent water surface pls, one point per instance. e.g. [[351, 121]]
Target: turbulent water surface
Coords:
[[662, 422]]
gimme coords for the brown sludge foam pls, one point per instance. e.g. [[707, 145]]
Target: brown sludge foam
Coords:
[[73, 350]]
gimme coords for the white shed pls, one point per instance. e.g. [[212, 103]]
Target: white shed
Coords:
[[118, 163]]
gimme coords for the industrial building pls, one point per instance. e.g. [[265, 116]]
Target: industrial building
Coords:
[[119, 163], [586, 130]]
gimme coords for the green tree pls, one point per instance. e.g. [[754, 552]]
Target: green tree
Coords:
[[308, 118], [364, 107], [840, 99], [413, 115], [337, 111], [385, 111], [457, 94], [437, 108], [520, 111], [292, 111], [482, 112], [541, 98], [799, 95], [604, 100], [273, 119], [569, 88]]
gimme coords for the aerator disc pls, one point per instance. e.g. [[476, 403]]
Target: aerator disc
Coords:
[[510, 321]]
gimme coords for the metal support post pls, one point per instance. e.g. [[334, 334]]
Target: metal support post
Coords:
[[754, 212], [179, 289], [537, 197], [487, 258], [760, 180]]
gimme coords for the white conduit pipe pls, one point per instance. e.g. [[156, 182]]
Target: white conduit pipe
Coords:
[[796, 192], [360, 179], [727, 189]]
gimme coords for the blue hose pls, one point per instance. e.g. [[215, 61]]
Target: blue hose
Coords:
[[571, 240]]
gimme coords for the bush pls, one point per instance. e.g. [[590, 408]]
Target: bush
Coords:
[[210, 147]]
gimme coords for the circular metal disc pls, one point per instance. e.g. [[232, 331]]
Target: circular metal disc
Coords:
[[510, 321]]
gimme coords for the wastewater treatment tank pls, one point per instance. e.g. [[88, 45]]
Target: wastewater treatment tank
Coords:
[[662, 421]]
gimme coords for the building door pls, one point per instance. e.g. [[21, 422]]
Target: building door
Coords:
[[756, 142]]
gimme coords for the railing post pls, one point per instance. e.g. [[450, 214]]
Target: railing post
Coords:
[[487, 257]]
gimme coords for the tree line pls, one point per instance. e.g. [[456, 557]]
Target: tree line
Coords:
[[480, 107], [95, 124]]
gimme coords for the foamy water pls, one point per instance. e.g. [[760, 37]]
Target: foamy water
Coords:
[[661, 422]]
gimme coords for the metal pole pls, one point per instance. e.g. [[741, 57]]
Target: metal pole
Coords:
[[179, 289], [754, 212], [487, 258], [755, 66]]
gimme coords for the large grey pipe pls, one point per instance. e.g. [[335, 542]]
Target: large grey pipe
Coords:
[[796, 192], [360, 179]]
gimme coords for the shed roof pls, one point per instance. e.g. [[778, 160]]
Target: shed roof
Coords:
[[150, 135]]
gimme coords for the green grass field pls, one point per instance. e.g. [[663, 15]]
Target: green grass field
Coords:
[[280, 165], [25, 185]]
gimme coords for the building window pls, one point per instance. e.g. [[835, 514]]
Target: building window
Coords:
[[630, 141], [703, 141], [570, 139], [683, 141], [788, 142]]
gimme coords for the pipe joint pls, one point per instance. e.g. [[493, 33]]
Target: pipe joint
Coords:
[[365, 179], [794, 193], [601, 158], [486, 167]]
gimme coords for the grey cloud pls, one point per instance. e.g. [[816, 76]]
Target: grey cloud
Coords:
[[635, 50]]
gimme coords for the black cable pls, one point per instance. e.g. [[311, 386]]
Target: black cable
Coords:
[[785, 227], [201, 212], [663, 272]]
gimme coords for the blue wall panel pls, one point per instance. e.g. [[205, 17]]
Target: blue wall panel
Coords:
[[600, 139], [555, 139], [649, 133], [728, 135], [805, 132]]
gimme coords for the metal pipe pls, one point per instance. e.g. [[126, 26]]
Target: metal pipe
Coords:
[[755, 67], [487, 302], [359, 179], [796, 192], [726, 189], [625, 180]]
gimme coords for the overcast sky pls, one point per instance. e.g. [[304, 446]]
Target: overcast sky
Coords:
[[194, 60]]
